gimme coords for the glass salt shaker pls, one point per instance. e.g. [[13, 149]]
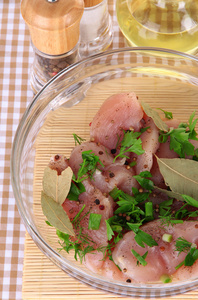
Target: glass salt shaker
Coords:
[[54, 27], [96, 32]]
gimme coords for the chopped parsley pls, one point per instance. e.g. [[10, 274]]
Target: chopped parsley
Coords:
[[130, 143], [88, 166], [143, 180], [110, 232], [180, 138], [142, 237], [75, 190], [94, 221]]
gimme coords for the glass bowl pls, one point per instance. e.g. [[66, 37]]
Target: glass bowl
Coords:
[[66, 105]]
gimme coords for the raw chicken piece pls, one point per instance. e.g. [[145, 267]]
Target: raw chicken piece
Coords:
[[105, 208], [59, 163], [95, 262], [187, 273], [162, 152], [161, 259], [109, 176], [119, 112], [115, 176], [150, 144], [76, 156]]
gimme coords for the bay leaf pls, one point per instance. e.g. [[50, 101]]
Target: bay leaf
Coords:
[[155, 116], [56, 215], [171, 194], [180, 174], [57, 186]]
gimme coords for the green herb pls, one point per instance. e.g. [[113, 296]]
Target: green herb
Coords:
[[78, 139], [75, 190], [88, 166], [182, 245], [94, 221], [144, 181], [191, 125], [142, 237], [130, 143], [83, 243], [142, 130], [195, 156], [118, 141], [168, 219], [168, 114], [165, 278], [141, 259], [165, 206], [128, 207], [110, 232], [48, 223], [81, 246], [190, 258], [179, 137], [140, 196], [191, 201], [167, 237], [77, 218], [149, 211], [109, 254]]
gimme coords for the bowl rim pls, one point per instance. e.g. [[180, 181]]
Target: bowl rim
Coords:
[[41, 244]]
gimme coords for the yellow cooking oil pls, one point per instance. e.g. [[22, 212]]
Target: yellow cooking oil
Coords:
[[171, 24]]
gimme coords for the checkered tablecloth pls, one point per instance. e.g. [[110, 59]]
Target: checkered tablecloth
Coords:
[[16, 58]]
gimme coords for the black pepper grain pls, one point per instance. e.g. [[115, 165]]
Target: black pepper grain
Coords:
[[97, 201], [113, 151], [111, 175], [128, 280]]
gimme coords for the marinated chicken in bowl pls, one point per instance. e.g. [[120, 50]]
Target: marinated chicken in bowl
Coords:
[[126, 200]]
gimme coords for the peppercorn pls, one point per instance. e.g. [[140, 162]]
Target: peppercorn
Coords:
[[101, 207], [113, 151], [124, 270], [111, 175], [128, 280], [97, 201]]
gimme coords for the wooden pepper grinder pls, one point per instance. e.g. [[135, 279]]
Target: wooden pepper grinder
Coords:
[[54, 27], [95, 28]]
